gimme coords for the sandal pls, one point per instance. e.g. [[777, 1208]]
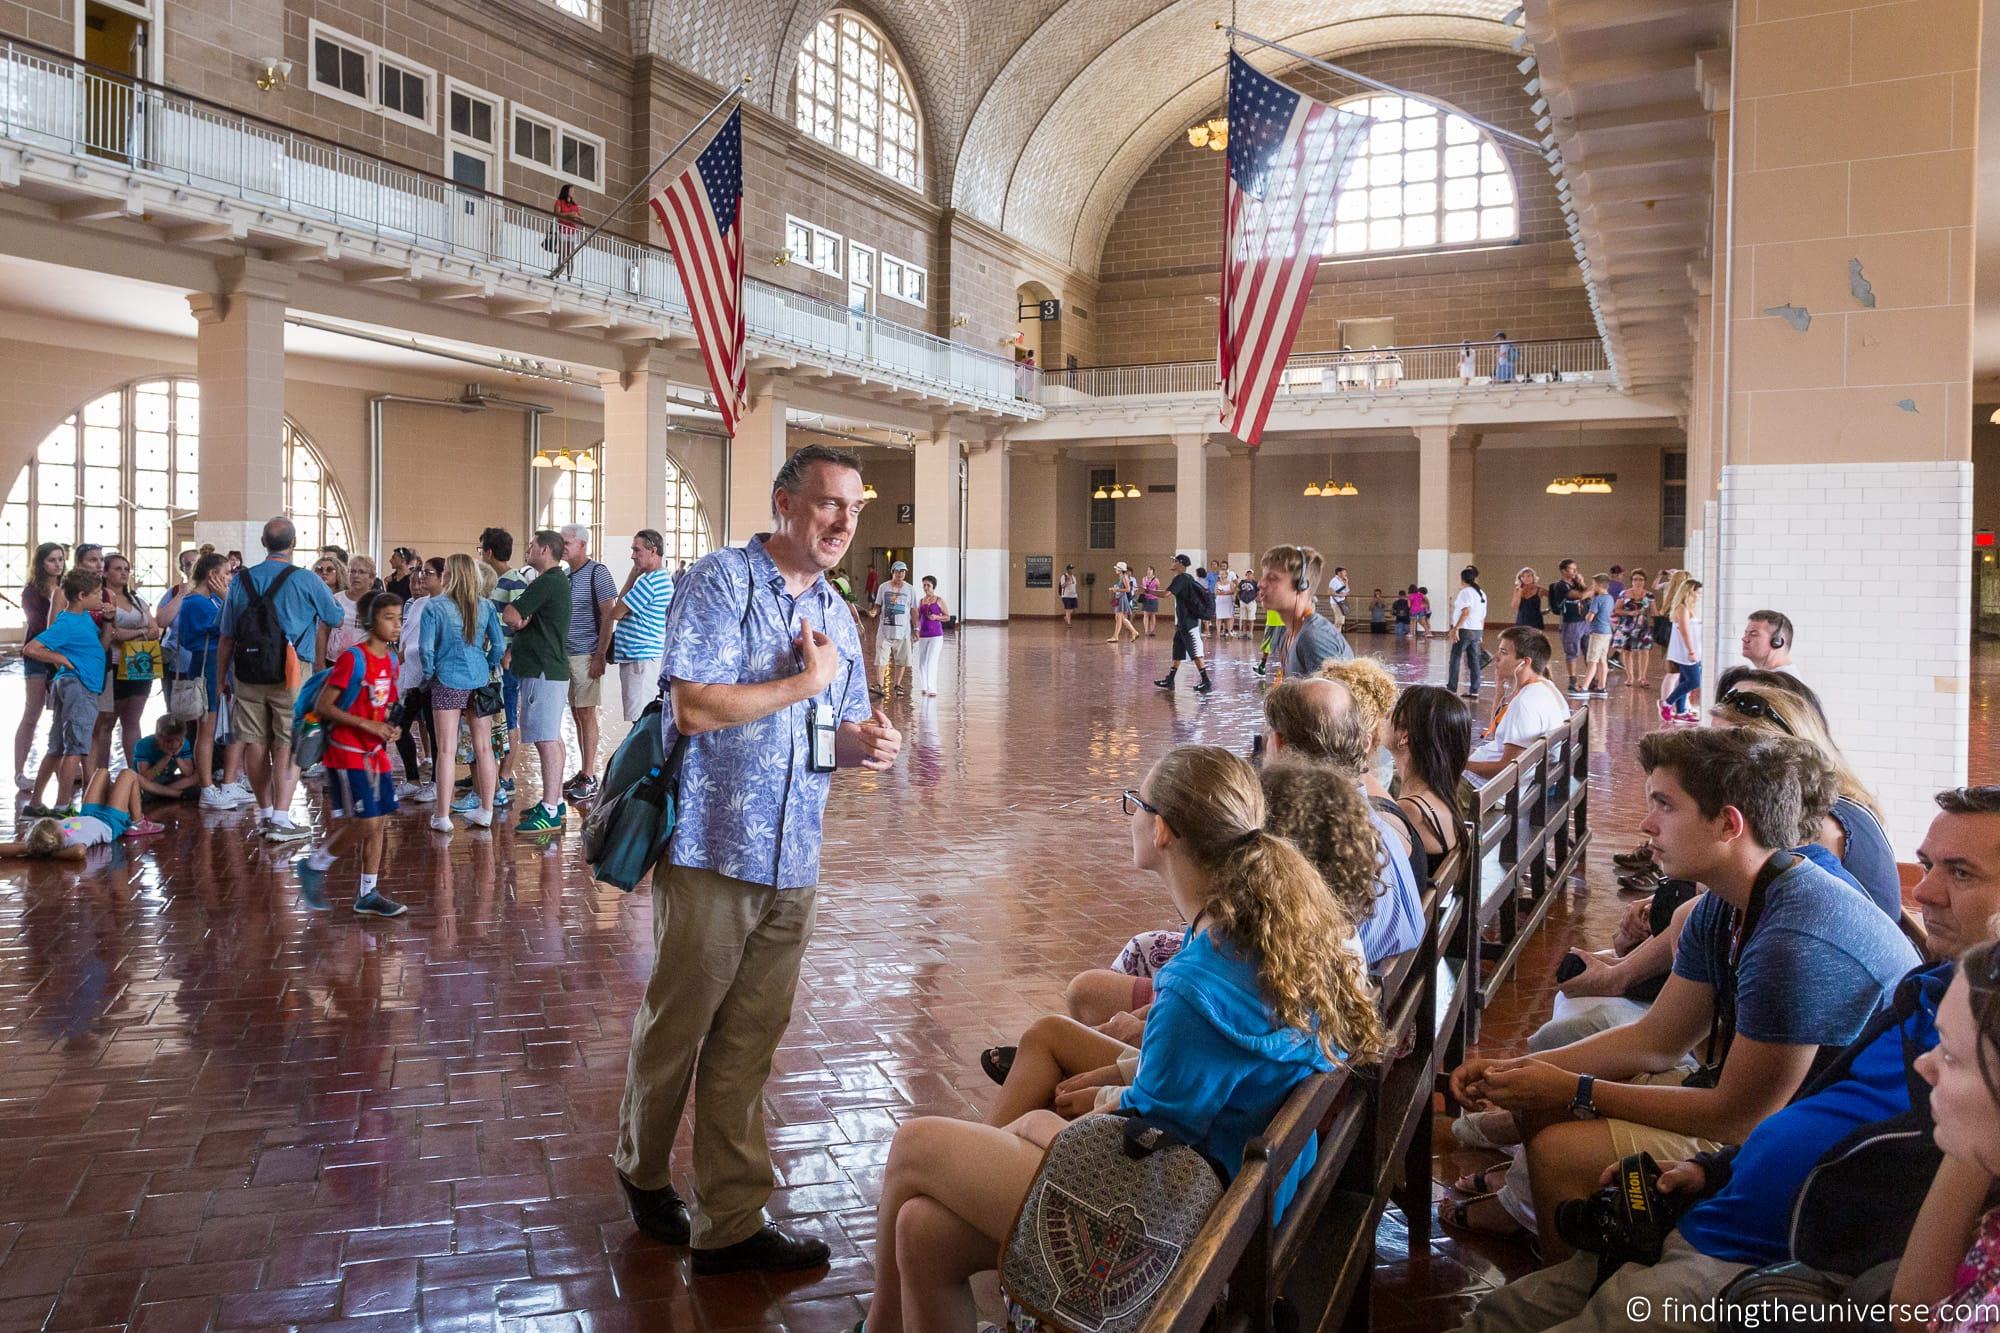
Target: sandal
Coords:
[[1483, 1183], [1456, 1215], [997, 1061]]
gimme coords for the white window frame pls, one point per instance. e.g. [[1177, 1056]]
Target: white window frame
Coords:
[[430, 79], [810, 259], [886, 51], [315, 33], [592, 11], [502, 128], [557, 129], [153, 12], [888, 263]]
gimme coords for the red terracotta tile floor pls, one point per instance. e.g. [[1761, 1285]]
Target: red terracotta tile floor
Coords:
[[220, 1111]]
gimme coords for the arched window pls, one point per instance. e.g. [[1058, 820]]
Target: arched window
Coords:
[[685, 527], [571, 496], [853, 96], [1422, 179], [123, 471]]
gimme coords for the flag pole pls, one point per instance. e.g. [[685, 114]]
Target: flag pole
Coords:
[[647, 179], [1523, 140]]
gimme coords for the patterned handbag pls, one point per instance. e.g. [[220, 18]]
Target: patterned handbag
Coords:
[[1116, 1203]]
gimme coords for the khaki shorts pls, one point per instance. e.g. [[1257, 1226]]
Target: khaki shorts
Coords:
[[1664, 1144], [1599, 646], [584, 691], [262, 714], [892, 652]]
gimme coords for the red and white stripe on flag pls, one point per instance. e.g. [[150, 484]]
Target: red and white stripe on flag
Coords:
[[700, 211], [1286, 156]]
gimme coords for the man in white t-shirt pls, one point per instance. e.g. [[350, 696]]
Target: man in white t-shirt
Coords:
[[1468, 622], [1536, 708], [1336, 592], [1767, 641], [896, 606]]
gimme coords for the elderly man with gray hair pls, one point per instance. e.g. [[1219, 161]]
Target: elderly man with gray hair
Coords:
[[593, 598]]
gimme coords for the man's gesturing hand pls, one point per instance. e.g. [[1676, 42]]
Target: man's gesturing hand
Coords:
[[871, 744], [818, 658]]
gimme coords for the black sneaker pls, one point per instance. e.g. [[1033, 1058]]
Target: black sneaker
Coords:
[[1165, 682], [1204, 685], [660, 1214], [768, 1251], [1639, 856]]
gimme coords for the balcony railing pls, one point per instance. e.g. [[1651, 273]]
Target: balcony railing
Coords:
[[53, 101], [1445, 367]]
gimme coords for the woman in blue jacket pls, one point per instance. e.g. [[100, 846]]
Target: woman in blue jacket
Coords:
[[462, 648], [1262, 996]]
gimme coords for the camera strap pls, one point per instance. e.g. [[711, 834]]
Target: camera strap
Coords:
[[1722, 1026]]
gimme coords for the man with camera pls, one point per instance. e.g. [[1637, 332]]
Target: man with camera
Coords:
[[1862, 1122], [767, 686], [1782, 960]]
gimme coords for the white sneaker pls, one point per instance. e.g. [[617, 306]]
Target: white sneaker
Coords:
[[245, 795], [284, 830], [219, 798], [441, 822], [422, 793], [479, 818], [23, 782]]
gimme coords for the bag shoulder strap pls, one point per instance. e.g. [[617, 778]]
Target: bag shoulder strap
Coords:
[[356, 678]]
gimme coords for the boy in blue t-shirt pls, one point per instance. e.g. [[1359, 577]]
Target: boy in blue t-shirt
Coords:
[[1597, 645], [158, 760], [75, 644]]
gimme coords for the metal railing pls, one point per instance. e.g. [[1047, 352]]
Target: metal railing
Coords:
[[57, 102], [1421, 369]]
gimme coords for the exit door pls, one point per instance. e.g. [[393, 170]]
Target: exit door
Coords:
[[115, 39]]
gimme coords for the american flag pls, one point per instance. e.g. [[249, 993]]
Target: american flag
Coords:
[[1286, 156], [701, 212]]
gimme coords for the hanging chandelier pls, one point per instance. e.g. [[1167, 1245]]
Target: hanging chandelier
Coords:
[[1118, 490], [1584, 484], [1213, 134]]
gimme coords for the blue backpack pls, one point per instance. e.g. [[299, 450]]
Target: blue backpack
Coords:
[[308, 733]]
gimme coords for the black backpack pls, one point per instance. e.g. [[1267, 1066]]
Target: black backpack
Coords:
[[1204, 601], [259, 638]]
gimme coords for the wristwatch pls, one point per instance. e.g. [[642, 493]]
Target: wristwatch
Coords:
[[1581, 1105]]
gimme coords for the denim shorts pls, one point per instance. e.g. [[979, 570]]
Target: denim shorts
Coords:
[[76, 714]]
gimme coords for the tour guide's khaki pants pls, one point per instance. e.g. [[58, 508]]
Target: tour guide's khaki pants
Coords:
[[725, 968], [1666, 1295]]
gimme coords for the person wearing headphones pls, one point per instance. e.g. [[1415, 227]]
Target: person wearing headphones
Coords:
[[1304, 640], [1767, 641]]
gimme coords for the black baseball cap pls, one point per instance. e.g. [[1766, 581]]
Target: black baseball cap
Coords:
[[1183, 561]]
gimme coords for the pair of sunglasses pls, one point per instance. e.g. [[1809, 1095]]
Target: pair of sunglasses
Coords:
[[1753, 706]]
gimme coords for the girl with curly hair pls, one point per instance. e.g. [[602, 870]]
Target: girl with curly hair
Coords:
[[1262, 996]]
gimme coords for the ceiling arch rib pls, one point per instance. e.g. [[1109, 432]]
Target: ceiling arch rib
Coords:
[[1124, 163]]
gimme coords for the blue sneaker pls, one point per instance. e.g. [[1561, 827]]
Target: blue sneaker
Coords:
[[374, 904], [466, 803], [312, 884]]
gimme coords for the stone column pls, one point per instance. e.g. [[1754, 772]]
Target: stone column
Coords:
[[1846, 473], [755, 455], [988, 531], [935, 541], [240, 363], [1434, 510], [633, 489], [1238, 480], [1191, 497]]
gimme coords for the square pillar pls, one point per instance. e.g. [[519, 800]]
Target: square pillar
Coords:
[[1434, 510], [633, 489], [988, 524], [1846, 442], [1191, 497], [755, 454], [934, 543], [240, 363], [1239, 478]]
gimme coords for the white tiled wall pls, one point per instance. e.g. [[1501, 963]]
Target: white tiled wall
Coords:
[[1870, 560]]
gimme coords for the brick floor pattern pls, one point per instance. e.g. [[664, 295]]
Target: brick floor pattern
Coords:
[[220, 1111]]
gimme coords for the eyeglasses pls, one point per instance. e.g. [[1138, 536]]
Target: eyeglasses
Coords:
[[1753, 706], [1132, 800]]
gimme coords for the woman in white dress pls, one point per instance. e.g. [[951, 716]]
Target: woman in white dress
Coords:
[[1225, 604]]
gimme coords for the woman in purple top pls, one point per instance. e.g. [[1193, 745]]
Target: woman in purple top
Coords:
[[931, 615]]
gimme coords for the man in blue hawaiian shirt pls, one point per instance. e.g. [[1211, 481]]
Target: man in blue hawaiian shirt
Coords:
[[759, 647]]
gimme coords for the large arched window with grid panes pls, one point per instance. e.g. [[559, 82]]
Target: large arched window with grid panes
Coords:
[[851, 93], [685, 527], [123, 471], [1423, 179]]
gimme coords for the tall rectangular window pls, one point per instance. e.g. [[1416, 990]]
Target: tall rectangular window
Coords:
[[338, 67], [1673, 499], [1103, 513]]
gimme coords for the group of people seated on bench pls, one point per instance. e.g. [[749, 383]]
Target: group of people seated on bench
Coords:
[[1814, 1072]]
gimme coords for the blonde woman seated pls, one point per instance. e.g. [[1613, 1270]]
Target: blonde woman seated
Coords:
[[1262, 997], [1064, 1063]]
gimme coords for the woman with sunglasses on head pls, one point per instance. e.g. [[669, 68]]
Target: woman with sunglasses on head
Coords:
[[1852, 832], [124, 699], [403, 572], [1952, 1257], [1261, 997]]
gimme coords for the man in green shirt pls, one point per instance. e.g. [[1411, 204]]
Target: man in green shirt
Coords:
[[539, 620]]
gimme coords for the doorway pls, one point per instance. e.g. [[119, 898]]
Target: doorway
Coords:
[[116, 38]]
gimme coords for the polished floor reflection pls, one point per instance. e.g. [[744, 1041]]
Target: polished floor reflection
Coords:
[[222, 1111]]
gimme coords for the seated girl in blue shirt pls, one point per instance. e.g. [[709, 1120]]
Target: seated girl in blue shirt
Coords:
[[1262, 996]]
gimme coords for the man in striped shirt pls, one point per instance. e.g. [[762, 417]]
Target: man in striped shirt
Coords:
[[639, 616]]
